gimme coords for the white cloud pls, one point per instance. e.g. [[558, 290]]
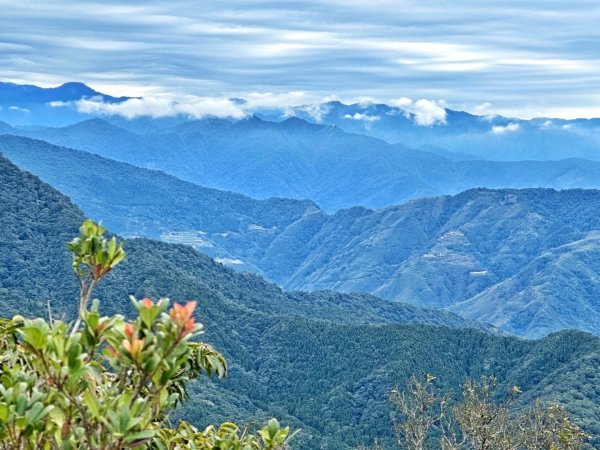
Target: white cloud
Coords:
[[19, 109], [424, 112], [256, 100], [152, 106], [464, 54], [510, 128], [362, 117], [401, 102], [483, 109], [428, 112], [58, 104], [166, 105], [315, 111]]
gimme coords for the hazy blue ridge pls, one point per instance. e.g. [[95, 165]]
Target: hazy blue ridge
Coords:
[[447, 252], [295, 159]]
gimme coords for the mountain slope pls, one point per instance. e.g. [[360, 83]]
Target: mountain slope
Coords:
[[329, 377], [139, 202], [443, 251], [296, 159], [431, 252], [560, 288]]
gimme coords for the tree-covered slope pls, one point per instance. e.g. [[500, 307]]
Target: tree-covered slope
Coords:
[[140, 202], [442, 251], [329, 376], [34, 267], [431, 252], [296, 159]]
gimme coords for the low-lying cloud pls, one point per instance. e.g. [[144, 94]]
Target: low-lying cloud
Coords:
[[424, 112], [156, 107], [198, 107], [362, 117], [510, 128]]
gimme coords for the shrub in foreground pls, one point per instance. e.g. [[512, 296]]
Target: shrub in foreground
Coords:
[[108, 382]]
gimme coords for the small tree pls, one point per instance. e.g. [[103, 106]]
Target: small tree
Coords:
[[424, 416], [107, 382], [421, 409]]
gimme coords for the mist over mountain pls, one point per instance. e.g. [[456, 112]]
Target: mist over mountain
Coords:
[[323, 362], [457, 134], [423, 124], [22, 104]]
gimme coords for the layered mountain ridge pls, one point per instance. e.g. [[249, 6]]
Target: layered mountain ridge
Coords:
[[445, 252], [455, 134], [322, 362], [295, 159]]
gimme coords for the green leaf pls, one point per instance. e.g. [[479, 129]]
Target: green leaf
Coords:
[[3, 412], [90, 401], [139, 437]]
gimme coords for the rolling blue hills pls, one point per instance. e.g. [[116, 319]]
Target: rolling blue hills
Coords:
[[459, 135], [296, 159], [457, 252]]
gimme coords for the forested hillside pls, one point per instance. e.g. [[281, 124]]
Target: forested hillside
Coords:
[[329, 376], [140, 202], [514, 258]]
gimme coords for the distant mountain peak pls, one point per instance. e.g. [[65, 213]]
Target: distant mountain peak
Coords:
[[298, 123], [24, 94], [5, 128], [74, 84], [96, 124]]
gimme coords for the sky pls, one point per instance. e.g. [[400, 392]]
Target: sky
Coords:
[[516, 58]]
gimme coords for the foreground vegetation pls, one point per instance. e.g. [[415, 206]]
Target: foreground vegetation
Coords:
[[425, 418], [105, 382]]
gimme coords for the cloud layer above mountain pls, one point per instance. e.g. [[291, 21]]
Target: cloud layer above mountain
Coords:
[[522, 59]]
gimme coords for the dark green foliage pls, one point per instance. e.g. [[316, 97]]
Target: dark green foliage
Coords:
[[35, 224]]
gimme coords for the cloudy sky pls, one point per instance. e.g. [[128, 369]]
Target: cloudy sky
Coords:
[[521, 58]]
